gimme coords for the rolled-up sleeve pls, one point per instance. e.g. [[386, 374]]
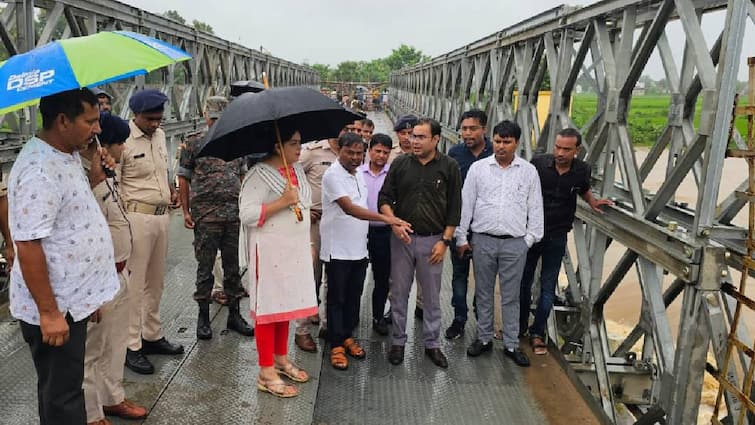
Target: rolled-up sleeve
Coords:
[[387, 195], [453, 208]]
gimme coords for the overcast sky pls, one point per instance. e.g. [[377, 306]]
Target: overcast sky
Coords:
[[332, 31]]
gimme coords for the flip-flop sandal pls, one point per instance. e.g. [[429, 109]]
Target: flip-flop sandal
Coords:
[[293, 372], [338, 358], [538, 346], [354, 349], [276, 387]]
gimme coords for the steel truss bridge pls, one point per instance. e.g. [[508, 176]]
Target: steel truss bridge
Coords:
[[214, 65], [612, 42], [693, 253]]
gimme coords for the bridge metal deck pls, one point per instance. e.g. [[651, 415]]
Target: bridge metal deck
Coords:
[[214, 382]]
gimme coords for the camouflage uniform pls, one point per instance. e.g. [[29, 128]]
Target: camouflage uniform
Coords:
[[214, 195]]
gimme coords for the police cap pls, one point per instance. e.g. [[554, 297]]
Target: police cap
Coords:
[[151, 100], [99, 92], [404, 122], [114, 129]]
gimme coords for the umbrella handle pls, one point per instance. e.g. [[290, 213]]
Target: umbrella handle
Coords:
[[294, 208]]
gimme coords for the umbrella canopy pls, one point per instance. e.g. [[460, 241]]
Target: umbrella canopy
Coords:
[[246, 86], [247, 125], [80, 62]]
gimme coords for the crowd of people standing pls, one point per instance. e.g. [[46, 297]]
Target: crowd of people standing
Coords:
[[91, 245]]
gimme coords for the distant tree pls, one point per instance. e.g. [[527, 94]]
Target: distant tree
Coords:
[[204, 27], [347, 71], [198, 25], [324, 70], [41, 21], [376, 70], [405, 56], [174, 15]]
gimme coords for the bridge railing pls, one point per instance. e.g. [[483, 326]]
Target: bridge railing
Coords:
[[684, 251], [215, 63]]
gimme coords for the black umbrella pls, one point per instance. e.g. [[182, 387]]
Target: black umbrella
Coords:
[[251, 122], [246, 86]]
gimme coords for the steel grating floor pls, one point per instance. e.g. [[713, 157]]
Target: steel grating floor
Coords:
[[214, 382]]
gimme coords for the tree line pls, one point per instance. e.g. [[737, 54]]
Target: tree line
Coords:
[[376, 70]]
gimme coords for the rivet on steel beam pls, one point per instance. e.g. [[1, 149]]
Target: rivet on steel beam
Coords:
[[685, 271], [724, 273], [672, 225], [705, 233], [688, 252]]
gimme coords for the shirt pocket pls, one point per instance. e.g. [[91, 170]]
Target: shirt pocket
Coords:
[[140, 165], [437, 185]]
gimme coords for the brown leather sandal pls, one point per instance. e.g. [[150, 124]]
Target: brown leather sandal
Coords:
[[293, 372], [276, 387], [354, 349], [338, 358]]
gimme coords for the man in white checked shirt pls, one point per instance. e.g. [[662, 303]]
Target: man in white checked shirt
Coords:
[[503, 207]]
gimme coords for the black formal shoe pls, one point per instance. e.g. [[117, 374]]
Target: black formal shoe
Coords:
[[396, 355], [478, 348], [161, 346], [517, 356], [455, 331], [136, 361], [437, 357], [418, 313], [380, 326]]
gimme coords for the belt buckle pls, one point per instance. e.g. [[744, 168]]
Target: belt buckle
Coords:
[[160, 209]]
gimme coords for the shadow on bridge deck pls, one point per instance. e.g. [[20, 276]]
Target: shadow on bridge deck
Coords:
[[214, 382]]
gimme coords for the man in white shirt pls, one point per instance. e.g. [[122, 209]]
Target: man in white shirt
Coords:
[[343, 248], [503, 207], [66, 268]]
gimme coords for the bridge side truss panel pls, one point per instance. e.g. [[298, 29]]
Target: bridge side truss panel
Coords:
[[672, 250]]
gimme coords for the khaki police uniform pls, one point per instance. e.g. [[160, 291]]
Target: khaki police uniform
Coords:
[[107, 340], [395, 152], [315, 159], [146, 195]]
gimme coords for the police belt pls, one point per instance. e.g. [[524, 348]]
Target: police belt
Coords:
[[142, 208]]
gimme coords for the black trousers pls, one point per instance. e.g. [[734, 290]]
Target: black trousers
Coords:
[[345, 284], [379, 247], [60, 373]]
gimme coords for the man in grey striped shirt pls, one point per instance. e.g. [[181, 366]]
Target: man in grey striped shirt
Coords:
[[503, 207]]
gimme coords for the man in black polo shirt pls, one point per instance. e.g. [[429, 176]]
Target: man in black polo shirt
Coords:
[[424, 189], [475, 146], [562, 178]]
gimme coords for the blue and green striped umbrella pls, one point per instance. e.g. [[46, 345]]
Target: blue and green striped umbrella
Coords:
[[80, 62]]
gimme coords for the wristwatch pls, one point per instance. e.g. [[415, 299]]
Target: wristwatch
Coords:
[[446, 242]]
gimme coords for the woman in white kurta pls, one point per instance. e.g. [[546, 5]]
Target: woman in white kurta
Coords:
[[278, 254]]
